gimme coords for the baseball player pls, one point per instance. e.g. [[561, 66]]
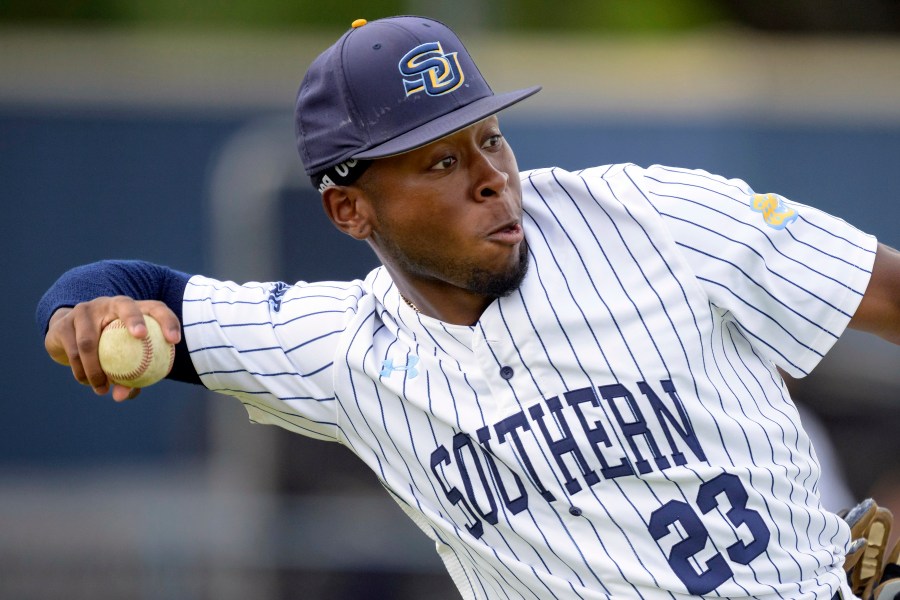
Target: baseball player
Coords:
[[568, 380]]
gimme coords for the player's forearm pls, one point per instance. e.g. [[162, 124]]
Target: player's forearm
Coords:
[[135, 279], [879, 311]]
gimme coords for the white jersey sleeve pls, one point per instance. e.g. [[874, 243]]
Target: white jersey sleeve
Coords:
[[789, 275], [272, 346]]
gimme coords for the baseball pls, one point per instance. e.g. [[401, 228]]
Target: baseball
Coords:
[[133, 362]]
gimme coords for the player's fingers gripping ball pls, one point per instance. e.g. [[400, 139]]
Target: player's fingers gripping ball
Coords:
[[133, 362]]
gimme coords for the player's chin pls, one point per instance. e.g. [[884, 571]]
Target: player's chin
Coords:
[[502, 278]]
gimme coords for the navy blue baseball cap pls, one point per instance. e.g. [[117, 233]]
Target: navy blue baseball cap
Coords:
[[387, 87]]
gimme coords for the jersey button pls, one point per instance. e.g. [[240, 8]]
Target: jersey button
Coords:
[[506, 372], [574, 511]]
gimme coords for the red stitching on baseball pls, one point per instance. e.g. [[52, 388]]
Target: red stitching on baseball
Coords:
[[146, 356]]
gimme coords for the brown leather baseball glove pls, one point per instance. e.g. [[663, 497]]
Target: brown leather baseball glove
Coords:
[[873, 572]]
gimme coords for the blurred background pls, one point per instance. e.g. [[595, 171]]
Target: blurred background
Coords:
[[162, 130]]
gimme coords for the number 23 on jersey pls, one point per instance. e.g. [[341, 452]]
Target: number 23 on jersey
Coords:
[[703, 578]]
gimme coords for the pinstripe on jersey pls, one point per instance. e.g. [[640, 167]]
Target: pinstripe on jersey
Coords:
[[614, 428]]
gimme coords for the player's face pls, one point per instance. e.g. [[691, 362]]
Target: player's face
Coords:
[[450, 214]]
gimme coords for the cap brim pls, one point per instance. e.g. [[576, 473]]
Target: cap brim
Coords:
[[447, 124]]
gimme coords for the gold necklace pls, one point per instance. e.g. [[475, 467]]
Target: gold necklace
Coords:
[[409, 303]]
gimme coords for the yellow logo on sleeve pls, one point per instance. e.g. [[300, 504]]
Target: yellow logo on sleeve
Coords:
[[774, 212]]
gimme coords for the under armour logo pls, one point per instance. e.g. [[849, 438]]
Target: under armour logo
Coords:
[[426, 67], [387, 367]]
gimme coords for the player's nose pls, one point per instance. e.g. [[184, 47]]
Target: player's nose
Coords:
[[489, 179]]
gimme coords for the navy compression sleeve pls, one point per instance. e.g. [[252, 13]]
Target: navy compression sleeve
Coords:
[[135, 279]]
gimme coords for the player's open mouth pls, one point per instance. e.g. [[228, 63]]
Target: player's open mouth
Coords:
[[511, 234]]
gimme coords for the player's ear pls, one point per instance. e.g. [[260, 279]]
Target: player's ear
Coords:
[[349, 210]]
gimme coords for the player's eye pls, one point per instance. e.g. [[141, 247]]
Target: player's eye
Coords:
[[444, 163], [493, 142]]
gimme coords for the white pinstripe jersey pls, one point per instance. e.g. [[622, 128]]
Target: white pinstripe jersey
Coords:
[[614, 428]]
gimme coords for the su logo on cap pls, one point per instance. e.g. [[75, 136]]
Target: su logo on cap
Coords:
[[426, 67]]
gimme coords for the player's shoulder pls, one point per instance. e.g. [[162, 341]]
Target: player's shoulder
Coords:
[[608, 172], [556, 172], [547, 180], [556, 193], [700, 178], [637, 177]]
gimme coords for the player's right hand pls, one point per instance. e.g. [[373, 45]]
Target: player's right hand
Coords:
[[73, 336]]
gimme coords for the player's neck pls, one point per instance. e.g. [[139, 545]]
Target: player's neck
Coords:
[[442, 301]]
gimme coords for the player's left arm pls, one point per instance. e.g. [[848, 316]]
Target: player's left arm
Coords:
[[879, 310]]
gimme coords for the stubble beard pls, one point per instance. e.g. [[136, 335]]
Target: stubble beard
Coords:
[[500, 285], [465, 274]]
